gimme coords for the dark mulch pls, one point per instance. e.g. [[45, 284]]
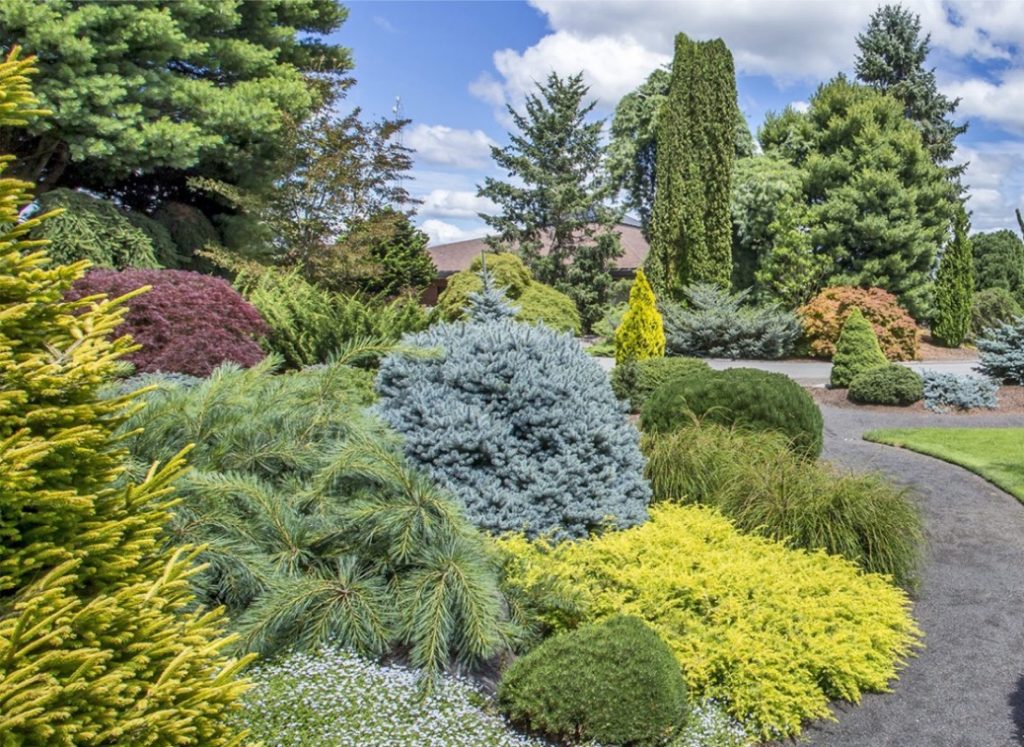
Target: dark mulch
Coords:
[[929, 351], [1011, 401]]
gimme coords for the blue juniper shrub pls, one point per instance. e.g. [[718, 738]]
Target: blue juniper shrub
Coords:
[[1002, 352], [519, 423], [943, 391]]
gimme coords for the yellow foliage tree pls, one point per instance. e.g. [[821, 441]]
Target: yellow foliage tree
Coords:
[[100, 641], [641, 335]]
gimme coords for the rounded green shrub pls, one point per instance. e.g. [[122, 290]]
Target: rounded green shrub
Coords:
[[189, 228], [542, 304], [93, 229], [633, 381], [991, 308], [887, 385], [755, 480], [615, 682], [745, 397], [857, 350]]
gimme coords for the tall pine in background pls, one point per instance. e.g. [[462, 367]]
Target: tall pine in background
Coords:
[[954, 287], [891, 59], [100, 640], [691, 230], [556, 195]]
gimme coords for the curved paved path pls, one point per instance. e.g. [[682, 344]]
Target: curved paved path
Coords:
[[966, 687]]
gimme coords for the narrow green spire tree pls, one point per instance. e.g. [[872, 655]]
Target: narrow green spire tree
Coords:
[[691, 228], [954, 287], [101, 642], [641, 335]]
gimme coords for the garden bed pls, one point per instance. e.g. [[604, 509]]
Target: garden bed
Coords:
[[1011, 401]]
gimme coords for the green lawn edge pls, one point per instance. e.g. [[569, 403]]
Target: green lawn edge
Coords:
[[994, 454]]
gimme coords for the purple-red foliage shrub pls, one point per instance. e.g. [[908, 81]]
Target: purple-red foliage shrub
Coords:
[[186, 323]]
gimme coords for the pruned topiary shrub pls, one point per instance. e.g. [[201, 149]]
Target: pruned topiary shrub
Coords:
[[991, 308], [857, 351], [186, 323], [1002, 352], [755, 480], [641, 334], [718, 324], [542, 304], [823, 317], [519, 423], [614, 682], [744, 397], [891, 384], [634, 381], [772, 633]]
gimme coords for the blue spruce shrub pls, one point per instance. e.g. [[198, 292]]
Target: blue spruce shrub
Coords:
[[945, 390], [1002, 352], [518, 422]]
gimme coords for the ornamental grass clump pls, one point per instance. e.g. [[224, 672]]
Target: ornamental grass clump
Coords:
[[314, 528], [641, 334], [519, 423], [614, 682], [773, 634], [755, 480], [856, 352], [744, 397]]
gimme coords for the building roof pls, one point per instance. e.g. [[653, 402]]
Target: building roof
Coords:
[[457, 256]]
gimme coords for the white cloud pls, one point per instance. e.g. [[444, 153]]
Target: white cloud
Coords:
[[448, 146], [801, 106], [995, 177], [441, 232], [446, 203], [1001, 102]]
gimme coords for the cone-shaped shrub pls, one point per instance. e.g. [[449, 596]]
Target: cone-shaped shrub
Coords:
[[857, 350], [100, 640], [642, 333], [615, 682]]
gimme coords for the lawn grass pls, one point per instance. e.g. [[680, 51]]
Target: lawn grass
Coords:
[[997, 454]]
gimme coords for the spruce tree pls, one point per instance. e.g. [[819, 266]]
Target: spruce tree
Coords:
[[892, 60], [691, 230], [100, 639], [857, 350], [641, 335], [954, 287], [556, 195]]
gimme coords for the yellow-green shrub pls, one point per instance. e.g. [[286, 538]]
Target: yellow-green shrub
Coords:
[[773, 633], [642, 333]]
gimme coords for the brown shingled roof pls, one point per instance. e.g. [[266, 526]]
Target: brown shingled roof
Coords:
[[457, 256]]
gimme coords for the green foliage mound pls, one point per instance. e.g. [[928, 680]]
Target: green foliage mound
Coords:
[[615, 682], [641, 334], [991, 308], [314, 527], [534, 301], [96, 230], [308, 324], [101, 641], [857, 351], [634, 381], [744, 397], [892, 384], [755, 480], [189, 229], [999, 262], [772, 633]]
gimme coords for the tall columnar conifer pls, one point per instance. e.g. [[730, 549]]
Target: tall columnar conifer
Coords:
[[954, 287], [641, 335], [100, 640], [691, 230]]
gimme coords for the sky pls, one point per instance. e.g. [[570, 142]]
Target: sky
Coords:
[[452, 68]]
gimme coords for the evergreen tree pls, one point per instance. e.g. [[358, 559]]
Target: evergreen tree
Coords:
[[999, 261], [100, 639], [691, 231], [891, 60], [857, 350], [954, 287], [641, 335], [557, 157]]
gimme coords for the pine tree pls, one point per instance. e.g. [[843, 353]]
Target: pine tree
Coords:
[[954, 287], [100, 640], [891, 59], [691, 230], [641, 335], [857, 350], [557, 156]]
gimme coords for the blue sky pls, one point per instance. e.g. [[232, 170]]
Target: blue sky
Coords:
[[455, 65]]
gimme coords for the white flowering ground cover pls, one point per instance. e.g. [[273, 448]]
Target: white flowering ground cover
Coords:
[[335, 698]]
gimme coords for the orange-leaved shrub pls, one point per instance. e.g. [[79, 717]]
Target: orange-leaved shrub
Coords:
[[823, 316]]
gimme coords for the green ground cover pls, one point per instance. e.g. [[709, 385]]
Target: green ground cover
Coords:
[[997, 454]]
